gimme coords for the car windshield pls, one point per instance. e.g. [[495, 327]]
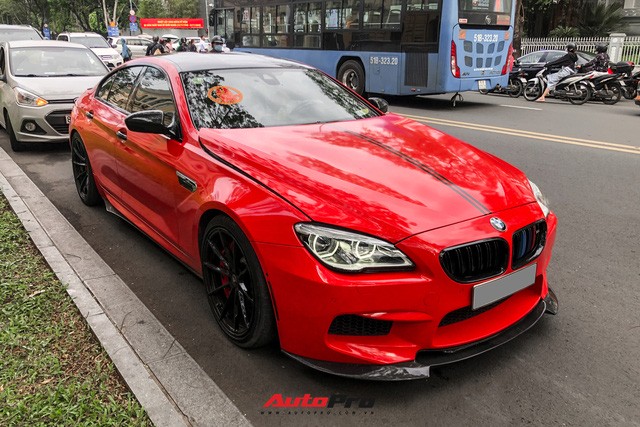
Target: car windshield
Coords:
[[55, 62], [91, 42], [19, 34], [249, 98]]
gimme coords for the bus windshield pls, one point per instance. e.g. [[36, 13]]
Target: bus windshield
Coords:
[[485, 12]]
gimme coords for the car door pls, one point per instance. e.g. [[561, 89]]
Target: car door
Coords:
[[104, 117], [146, 162]]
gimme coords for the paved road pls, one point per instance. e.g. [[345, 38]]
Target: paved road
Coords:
[[578, 368]]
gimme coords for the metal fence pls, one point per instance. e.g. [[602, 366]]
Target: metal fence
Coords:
[[630, 46]]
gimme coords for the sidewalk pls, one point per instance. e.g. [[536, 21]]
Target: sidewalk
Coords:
[[167, 382]]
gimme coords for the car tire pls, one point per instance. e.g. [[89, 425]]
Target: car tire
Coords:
[[351, 74], [236, 287], [82, 173], [16, 145]]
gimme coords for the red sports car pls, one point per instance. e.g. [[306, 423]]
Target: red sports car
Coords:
[[370, 245]]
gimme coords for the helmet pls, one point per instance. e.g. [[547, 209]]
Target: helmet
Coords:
[[571, 47], [183, 40], [601, 48], [216, 40], [156, 39]]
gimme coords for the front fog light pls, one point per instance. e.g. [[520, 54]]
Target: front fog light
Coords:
[[30, 126]]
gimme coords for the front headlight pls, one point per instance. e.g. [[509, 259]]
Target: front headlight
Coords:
[[28, 99], [540, 198], [351, 252]]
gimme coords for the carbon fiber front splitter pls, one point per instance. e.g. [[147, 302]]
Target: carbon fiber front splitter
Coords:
[[420, 368]]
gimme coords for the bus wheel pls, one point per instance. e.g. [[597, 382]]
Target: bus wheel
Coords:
[[351, 75]]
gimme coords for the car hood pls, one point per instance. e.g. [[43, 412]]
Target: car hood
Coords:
[[387, 176], [52, 88], [104, 51]]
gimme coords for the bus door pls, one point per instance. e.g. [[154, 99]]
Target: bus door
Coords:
[[223, 20], [420, 39]]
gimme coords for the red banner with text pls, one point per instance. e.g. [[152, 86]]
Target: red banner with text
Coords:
[[186, 23]]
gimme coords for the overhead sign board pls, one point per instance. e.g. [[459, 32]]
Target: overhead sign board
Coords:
[[186, 23]]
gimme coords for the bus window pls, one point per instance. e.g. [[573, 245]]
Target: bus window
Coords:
[[422, 5], [485, 12], [342, 14], [275, 25], [306, 24], [382, 14], [249, 18]]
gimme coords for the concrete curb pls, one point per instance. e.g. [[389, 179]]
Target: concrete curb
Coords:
[[169, 384]]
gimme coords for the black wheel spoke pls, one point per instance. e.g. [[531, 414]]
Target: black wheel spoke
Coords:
[[243, 309], [221, 270], [228, 304]]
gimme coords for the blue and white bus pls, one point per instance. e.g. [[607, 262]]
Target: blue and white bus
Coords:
[[394, 47]]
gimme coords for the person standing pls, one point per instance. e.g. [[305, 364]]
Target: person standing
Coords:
[[126, 52], [202, 45]]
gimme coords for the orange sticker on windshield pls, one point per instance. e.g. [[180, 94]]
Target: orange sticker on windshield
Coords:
[[224, 95]]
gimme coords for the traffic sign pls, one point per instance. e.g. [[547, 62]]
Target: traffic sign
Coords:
[[133, 18], [133, 26]]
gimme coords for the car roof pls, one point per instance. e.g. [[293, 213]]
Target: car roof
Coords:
[[81, 35], [15, 27], [43, 43], [192, 61]]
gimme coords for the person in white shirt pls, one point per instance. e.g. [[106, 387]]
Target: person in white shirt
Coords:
[[202, 45]]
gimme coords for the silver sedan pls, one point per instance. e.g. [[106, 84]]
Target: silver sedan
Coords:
[[39, 82]]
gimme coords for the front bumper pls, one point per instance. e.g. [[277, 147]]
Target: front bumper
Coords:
[[421, 366], [50, 120]]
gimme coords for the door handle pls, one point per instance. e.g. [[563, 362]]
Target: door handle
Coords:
[[121, 135], [89, 114]]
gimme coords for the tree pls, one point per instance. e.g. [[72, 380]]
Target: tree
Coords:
[[564, 32], [601, 20], [151, 9]]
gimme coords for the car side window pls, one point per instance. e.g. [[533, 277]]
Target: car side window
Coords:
[[552, 56], [532, 58], [103, 91], [63, 38], [122, 87], [154, 93], [2, 63]]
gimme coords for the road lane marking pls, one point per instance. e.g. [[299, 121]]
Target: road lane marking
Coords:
[[521, 107], [528, 134]]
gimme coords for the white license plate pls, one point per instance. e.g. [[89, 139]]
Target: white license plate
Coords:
[[67, 118], [482, 84], [494, 290]]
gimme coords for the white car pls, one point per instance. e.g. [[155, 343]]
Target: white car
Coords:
[[137, 45], [39, 82], [97, 44]]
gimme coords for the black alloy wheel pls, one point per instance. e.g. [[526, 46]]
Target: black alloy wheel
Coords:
[[351, 74], [515, 88], [16, 145], [235, 285], [82, 173]]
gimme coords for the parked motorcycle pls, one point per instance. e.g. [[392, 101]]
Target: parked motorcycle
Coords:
[[514, 89], [572, 88], [628, 79], [604, 87]]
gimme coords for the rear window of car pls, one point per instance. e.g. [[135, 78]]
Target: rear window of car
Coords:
[[7, 35], [55, 62], [90, 41], [249, 98]]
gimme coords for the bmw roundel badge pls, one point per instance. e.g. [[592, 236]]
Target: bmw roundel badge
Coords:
[[498, 224]]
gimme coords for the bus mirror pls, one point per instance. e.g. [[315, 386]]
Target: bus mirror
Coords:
[[380, 103]]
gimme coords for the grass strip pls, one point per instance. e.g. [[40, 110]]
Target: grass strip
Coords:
[[53, 371]]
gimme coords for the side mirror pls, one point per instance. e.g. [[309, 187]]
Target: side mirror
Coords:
[[380, 103], [114, 45], [151, 121]]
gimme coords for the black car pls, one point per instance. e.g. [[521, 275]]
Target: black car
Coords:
[[532, 62]]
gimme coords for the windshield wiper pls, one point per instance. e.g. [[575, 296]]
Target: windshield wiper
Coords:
[[71, 75], [32, 75]]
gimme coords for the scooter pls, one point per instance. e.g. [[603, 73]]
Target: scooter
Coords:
[[628, 79], [572, 88], [604, 87], [514, 89]]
